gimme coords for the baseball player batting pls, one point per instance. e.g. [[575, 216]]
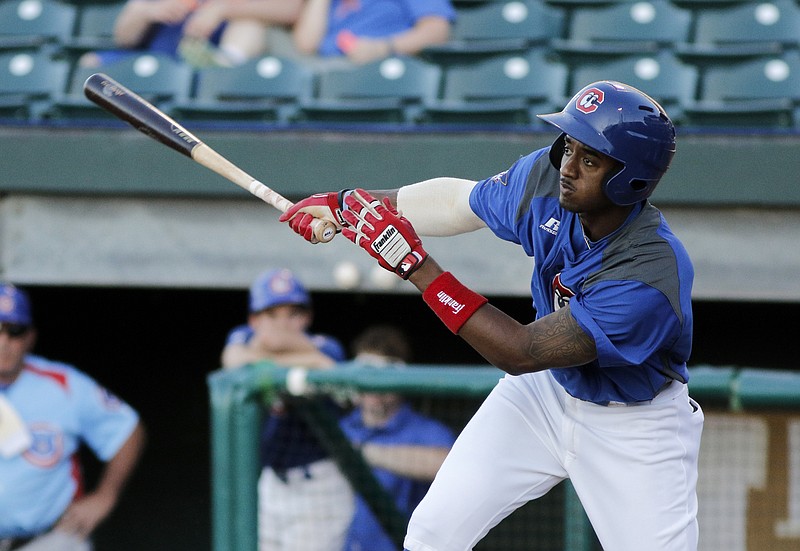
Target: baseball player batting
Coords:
[[596, 386]]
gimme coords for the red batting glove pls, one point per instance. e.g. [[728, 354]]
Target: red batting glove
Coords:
[[380, 230], [324, 206]]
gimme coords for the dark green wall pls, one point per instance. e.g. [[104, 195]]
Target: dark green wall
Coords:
[[709, 169]]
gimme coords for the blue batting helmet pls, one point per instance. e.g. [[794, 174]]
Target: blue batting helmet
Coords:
[[15, 307], [276, 287], [625, 124]]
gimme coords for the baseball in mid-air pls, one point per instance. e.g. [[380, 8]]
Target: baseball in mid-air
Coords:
[[383, 279], [346, 275]]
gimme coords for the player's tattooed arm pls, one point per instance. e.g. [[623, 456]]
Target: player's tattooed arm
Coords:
[[557, 340], [553, 341]]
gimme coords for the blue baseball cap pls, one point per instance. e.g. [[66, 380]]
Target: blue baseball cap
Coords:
[[15, 307], [275, 288]]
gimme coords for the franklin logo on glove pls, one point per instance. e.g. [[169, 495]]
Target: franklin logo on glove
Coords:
[[380, 230], [383, 239]]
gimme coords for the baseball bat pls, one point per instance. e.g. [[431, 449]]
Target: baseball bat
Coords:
[[147, 118]]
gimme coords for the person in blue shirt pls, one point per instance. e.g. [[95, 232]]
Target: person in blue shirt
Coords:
[[404, 448], [199, 32], [48, 410], [305, 502], [596, 387], [369, 30]]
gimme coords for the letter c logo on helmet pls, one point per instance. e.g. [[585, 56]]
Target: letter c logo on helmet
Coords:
[[625, 124], [590, 100]]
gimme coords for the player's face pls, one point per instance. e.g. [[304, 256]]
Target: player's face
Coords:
[[583, 172], [287, 318], [378, 408], [13, 347]]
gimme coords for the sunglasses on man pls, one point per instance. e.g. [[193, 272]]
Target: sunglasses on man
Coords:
[[14, 330]]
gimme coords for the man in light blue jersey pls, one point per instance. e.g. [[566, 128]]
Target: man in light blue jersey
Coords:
[[596, 386], [47, 410]]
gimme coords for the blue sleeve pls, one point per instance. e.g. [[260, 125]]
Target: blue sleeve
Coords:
[[330, 347], [619, 316], [435, 434], [496, 201], [423, 8], [106, 421], [239, 335]]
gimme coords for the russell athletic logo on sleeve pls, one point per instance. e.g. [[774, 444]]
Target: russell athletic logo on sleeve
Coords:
[[590, 100]]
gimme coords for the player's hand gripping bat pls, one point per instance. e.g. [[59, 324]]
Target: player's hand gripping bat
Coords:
[[145, 117]]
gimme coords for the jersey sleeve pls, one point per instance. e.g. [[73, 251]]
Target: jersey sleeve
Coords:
[[619, 316], [330, 346], [105, 420], [239, 335], [496, 200], [436, 434], [423, 8]]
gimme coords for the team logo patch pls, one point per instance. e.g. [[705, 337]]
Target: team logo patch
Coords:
[[47, 448], [561, 293], [501, 178], [281, 284], [590, 100], [6, 304]]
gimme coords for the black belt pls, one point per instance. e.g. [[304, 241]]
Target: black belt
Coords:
[[283, 473], [9, 544]]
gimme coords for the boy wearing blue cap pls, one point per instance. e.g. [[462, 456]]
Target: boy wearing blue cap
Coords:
[[47, 410], [305, 503]]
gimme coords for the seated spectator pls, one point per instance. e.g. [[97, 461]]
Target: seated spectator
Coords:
[[369, 31], [405, 449], [210, 32]]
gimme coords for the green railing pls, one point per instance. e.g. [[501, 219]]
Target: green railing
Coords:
[[237, 399]]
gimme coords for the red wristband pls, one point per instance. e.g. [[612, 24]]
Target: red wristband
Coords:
[[451, 301]]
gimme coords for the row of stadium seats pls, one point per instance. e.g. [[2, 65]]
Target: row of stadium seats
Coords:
[[728, 29], [505, 89], [699, 29], [711, 62]]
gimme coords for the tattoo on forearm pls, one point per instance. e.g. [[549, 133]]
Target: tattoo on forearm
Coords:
[[558, 341]]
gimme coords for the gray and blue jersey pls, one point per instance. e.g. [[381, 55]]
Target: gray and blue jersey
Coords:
[[630, 291]]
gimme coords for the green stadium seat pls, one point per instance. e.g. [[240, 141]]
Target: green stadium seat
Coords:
[[624, 28], [663, 76], [570, 4], [705, 4], [159, 79], [747, 29], [391, 90], [508, 89], [498, 27], [95, 27], [265, 89], [762, 92], [35, 23], [29, 82]]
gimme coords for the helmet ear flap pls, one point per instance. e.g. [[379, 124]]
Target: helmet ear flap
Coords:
[[557, 151]]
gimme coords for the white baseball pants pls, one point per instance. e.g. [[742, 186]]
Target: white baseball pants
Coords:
[[634, 468], [308, 509]]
